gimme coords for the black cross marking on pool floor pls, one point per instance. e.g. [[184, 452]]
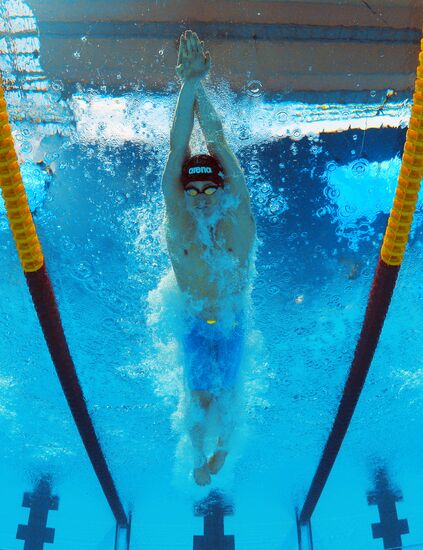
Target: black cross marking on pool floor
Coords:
[[390, 527], [36, 533], [214, 509]]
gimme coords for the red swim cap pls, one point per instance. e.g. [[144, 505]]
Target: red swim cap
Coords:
[[202, 168]]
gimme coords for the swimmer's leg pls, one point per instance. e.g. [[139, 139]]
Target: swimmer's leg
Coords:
[[198, 413], [225, 404]]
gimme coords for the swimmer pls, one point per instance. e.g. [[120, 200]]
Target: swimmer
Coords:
[[210, 233]]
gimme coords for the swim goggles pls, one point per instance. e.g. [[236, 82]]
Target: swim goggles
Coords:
[[209, 190]]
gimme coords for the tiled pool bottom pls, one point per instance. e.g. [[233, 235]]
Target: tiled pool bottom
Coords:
[[350, 515]]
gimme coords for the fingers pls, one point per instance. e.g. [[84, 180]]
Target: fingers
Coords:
[[182, 54], [197, 43], [184, 50], [180, 51], [192, 42], [188, 41], [191, 57]]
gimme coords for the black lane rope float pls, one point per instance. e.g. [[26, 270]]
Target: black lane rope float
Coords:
[[391, 256], [32, 260]]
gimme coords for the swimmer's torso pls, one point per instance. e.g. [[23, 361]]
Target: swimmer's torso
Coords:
[[212, 268]]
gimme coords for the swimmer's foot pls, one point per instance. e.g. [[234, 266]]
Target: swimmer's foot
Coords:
[[202, 475], [217, 461]]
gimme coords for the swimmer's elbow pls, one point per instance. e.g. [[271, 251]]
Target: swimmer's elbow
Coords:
[[176, 155], [173, 165]]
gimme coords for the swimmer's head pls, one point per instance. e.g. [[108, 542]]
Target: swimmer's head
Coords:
[[202, 179], [202, 168]]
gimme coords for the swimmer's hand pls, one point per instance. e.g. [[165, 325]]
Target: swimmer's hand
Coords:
[[193, 63]]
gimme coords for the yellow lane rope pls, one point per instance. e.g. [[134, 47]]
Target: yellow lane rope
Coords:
[[14, 195], [411, 174]]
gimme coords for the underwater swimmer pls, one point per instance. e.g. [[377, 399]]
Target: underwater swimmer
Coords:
[[210, 233]]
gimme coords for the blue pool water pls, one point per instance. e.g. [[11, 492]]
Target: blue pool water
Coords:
[[321, 187]]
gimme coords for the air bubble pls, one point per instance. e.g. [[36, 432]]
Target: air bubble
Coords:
[[266, 188], [273, 290], [26, 147], [274, 206], [254, 167], [83, 271], [254, 88], [296, 135], [77, 55], [350, 209], [315, 150], [57, 86], [360, 167], [244, 133], [342, 212], [333, 193]]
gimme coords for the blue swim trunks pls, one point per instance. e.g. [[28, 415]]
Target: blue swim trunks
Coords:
[[212, 357]]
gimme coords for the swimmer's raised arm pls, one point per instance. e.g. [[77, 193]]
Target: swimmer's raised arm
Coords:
[[209, 120], [183, 119], [192, 66], [212, 128]]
